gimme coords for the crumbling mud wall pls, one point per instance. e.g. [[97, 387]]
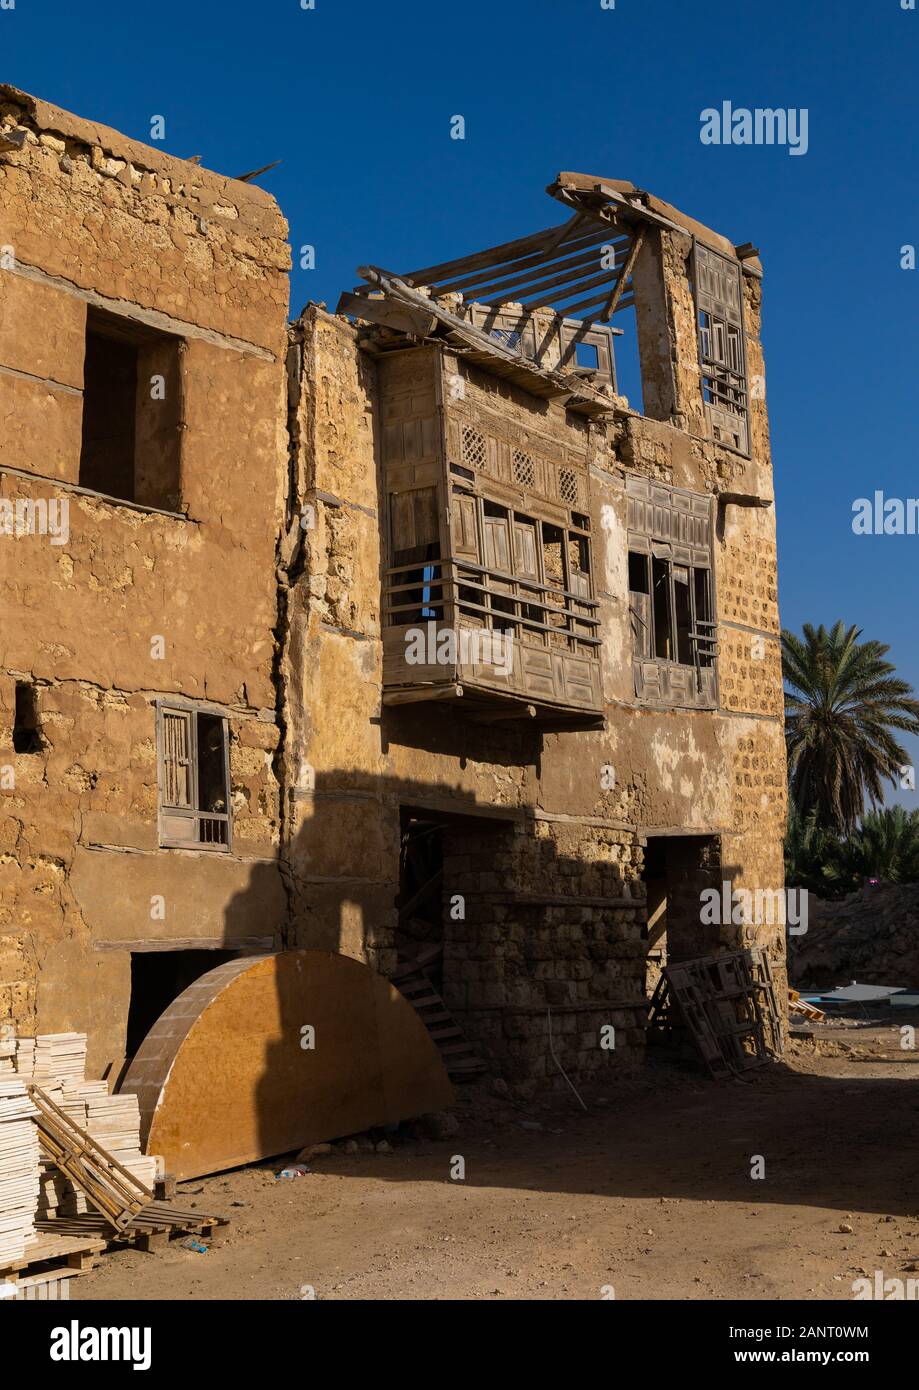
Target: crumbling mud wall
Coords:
[[168, 592]]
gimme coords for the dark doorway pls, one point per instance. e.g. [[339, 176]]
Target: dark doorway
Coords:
[[159, 977], [420, 930], [677, 870]]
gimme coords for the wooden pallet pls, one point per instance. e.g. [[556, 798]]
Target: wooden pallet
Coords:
[[151, 1229], [111, 1187], [728, 1004], [52, 1255]]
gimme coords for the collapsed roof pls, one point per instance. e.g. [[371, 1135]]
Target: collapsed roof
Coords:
[[578, 272]]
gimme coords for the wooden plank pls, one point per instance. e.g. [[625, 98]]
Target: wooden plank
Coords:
[[496, 291], [383, 311], [494, 255], [149, 1241], [467, 284], [624, 275]]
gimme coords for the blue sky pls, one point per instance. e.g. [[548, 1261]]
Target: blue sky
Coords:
[[356, 99]]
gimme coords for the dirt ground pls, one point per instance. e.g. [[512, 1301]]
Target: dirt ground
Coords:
[[650, 1193]]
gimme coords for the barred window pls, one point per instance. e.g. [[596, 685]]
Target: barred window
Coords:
[[193, 756]]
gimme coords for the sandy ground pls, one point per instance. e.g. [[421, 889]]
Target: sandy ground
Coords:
[[650, 1193]]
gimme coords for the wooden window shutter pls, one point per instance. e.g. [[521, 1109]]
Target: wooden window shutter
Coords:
[[177, 761], [526, 564], [497, 544], [463, 510], [178, 777], [640, 608], [718, 288], [414, 519]]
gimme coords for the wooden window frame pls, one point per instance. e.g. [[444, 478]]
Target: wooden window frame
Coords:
[[673, 527], [698, 641], [721, 340], [192, 814]]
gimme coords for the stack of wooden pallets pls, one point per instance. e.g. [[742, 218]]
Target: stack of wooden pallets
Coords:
[[57, 1062], [19, 1169], [72, 1176]]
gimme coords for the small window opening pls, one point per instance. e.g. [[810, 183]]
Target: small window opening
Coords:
[[639, 602], [578, 555], [194, 778], [663, 644], [638, 573], [26, 730], [587, 355], [553, 545], [132, 412], [212, 772], [416, 592], [683, 615]]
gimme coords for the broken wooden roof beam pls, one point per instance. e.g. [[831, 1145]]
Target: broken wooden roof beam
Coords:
[[427, 314], [513, 273], [533, 270]]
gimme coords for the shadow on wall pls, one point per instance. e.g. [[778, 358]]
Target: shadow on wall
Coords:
[[526, 917], [690, 1142]]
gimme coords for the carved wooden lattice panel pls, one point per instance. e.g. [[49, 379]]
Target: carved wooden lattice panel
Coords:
[[722, 356]]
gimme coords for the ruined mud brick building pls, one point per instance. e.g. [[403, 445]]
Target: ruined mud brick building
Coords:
[[326, 524], [142, 377]]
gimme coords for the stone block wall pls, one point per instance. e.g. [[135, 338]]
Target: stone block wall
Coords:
[[549, 947]]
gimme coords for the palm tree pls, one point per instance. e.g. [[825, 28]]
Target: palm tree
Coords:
[[885, 846], [811, 854], [842, 704]]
